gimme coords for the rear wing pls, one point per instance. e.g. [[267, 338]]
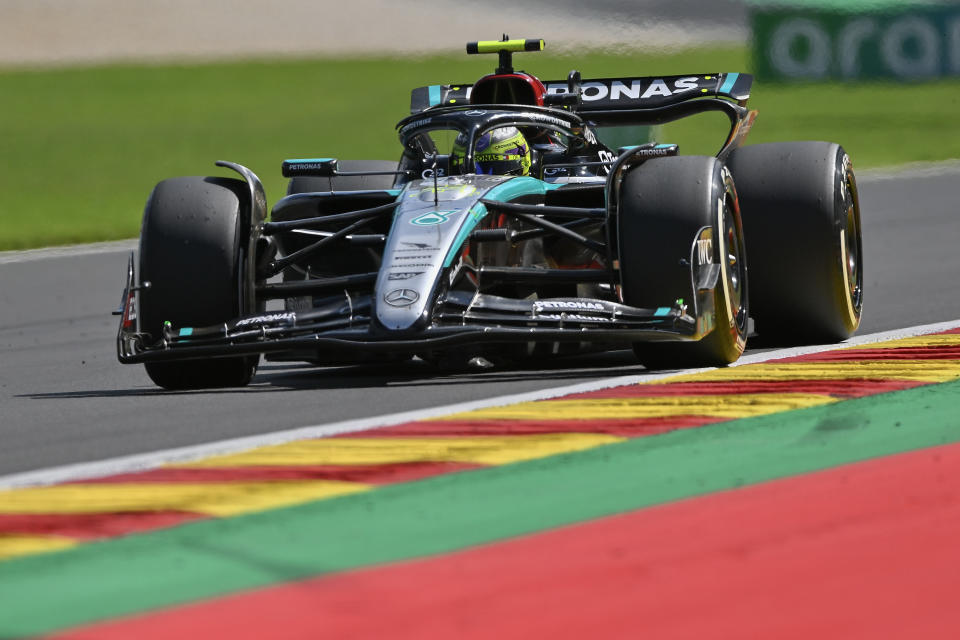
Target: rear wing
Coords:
[[610, 94]]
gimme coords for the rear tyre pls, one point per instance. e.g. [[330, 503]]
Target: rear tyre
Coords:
[[801, 216], [190, 249], [664, 203]]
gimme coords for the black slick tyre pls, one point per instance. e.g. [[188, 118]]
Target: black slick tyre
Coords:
[[664, 204], [801, 217], [190, 248]]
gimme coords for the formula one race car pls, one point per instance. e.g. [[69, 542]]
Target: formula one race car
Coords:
[[506, 230]]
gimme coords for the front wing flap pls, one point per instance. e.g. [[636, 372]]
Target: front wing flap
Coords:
[[461, 319]]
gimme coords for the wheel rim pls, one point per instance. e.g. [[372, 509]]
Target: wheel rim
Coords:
[[851, 252], [733, 268], [852, 243]]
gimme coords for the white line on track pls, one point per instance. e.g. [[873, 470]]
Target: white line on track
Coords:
[[143, 461], [70, 251], [905, 171], [910, 171]]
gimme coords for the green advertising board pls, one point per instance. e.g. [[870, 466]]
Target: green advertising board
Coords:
[[853, 40]]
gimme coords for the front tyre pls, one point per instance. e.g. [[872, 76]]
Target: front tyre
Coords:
[[190, 253], [664, 203]]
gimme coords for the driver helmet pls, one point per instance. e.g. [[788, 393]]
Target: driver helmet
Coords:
[[502, 151]]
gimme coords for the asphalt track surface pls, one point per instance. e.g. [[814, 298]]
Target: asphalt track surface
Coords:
[[65, 399]]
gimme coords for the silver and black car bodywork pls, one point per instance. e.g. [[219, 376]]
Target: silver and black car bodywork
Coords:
[[597, 248]]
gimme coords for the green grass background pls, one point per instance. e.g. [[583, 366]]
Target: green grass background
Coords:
[[80, 149]]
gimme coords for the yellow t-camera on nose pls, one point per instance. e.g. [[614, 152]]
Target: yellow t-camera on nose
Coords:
[[505, 48], [496, 46]]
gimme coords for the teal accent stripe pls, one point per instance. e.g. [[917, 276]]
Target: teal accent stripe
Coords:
[[503, 192], [729, 82], [522, 186], [186, 331], [477, 213], [662, 311], [309, 160], [434, 94]]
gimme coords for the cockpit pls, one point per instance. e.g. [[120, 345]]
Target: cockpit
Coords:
[[495, 139]]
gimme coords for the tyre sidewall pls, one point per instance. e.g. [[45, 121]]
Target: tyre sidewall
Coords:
[[190, 254], [663, 205], [794, 199]]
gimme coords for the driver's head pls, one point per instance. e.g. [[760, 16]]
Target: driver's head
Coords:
[[503, 151]]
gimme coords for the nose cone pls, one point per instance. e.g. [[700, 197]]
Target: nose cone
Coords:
[[429, 227]]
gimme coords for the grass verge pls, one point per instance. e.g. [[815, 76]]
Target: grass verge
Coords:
[[80, 149]]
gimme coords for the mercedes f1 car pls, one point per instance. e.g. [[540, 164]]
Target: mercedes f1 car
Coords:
[[507, 229]]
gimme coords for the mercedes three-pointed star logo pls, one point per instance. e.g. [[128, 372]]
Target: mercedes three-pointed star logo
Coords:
[[401, 297]]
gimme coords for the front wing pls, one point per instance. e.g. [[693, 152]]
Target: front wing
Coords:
[[345, 326]]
